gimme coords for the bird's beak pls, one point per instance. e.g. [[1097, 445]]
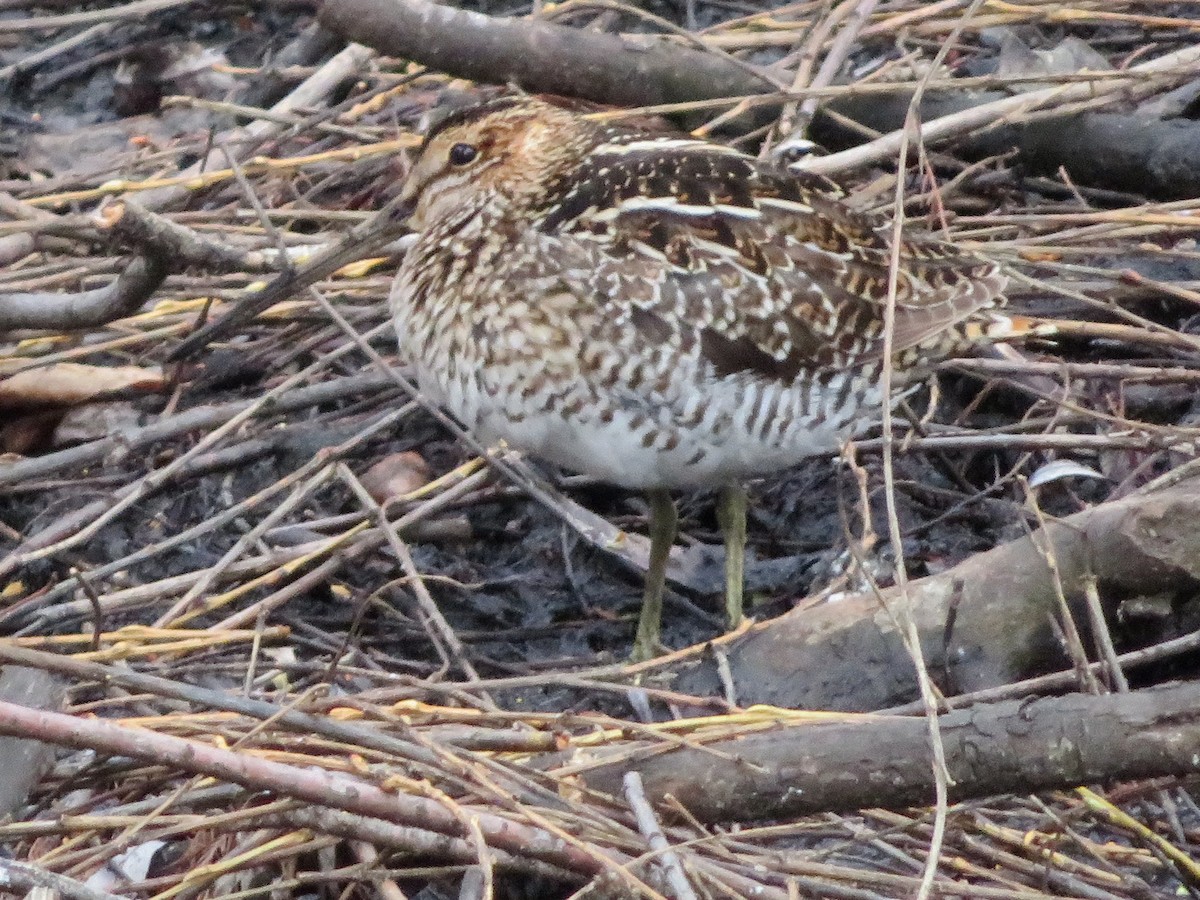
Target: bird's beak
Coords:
[[360, 242], [406, 201]]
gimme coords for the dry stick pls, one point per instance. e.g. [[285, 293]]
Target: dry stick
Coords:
[[370, 859], [14, 873], [365, 237], [86, 309], [406, 839], [1060, 680], [327, 789], [308, 93], [970, 441], [27, 64], [254, 567], [912, 637], [1074, 370], [122, 841], [201, 418], [441, 633], [360, 736], [1102, 637], [648, 825], [257, 709], [135, 10], [312, 580], [1045, 547], [1179, 64], [155, 480], [290, 120], [444, 630], [76, 519], [437, 755], [895, 24], [129, 220], [1153, 336], [325, 468], [797, 119]]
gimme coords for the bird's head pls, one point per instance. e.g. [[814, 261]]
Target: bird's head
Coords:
[[502, 150]]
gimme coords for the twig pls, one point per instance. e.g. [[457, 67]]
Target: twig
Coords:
[[308, 93], [443, 629], [677, 880], [908, 626], [135, 224], [1102, 636], [324, 788], [14, 873], [795, 125], [1066, 620], [1177, 65], [201, 418], [86, 309], [134, 10]]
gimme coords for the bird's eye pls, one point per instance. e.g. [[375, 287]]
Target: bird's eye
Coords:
[[461, 154]]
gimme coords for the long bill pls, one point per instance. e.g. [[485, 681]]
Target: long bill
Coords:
[[359, 242]]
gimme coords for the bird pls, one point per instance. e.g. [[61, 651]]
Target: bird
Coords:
[[657, 310], [660, 311]]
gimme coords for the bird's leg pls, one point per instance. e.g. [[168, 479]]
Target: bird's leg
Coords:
[[731, 516], [662, 535]]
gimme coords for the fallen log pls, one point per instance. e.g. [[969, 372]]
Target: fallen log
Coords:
[[1128, 151], [540, 56], [1133, 151], [986, 622], [25, 760], [1020, 746]]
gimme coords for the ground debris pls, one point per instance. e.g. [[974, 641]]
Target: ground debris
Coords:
[[289, 670]]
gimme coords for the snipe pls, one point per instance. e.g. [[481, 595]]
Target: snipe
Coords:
[[655, 310], [658, 311]]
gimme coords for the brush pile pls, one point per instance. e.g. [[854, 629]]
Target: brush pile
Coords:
[[270, 627]]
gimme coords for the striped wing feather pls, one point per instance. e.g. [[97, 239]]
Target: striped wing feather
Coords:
[[771, 274]]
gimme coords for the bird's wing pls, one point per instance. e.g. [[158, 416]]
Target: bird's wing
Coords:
[[771, 274]]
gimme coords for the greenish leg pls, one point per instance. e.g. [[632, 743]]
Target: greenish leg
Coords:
[[663, 521], [731, 516]]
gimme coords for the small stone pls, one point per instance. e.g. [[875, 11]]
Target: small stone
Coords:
[[395, 475]]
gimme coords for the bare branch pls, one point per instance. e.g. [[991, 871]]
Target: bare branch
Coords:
[[538, 55], [86, 309], [1019, 745]]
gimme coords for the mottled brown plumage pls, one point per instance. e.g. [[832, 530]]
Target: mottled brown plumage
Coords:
[[656, 310]]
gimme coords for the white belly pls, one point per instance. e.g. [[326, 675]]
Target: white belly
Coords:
[[618, 454], [700, 433]]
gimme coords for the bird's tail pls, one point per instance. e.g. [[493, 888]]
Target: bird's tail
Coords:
[[991, 326]]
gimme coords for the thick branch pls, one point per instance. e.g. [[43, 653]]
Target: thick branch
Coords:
[[86, 309], [25, 760], [1014, 747], [133, 224], [539, 56], [1129, 151], [329, 789], [1126, 151], [986, 622]]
